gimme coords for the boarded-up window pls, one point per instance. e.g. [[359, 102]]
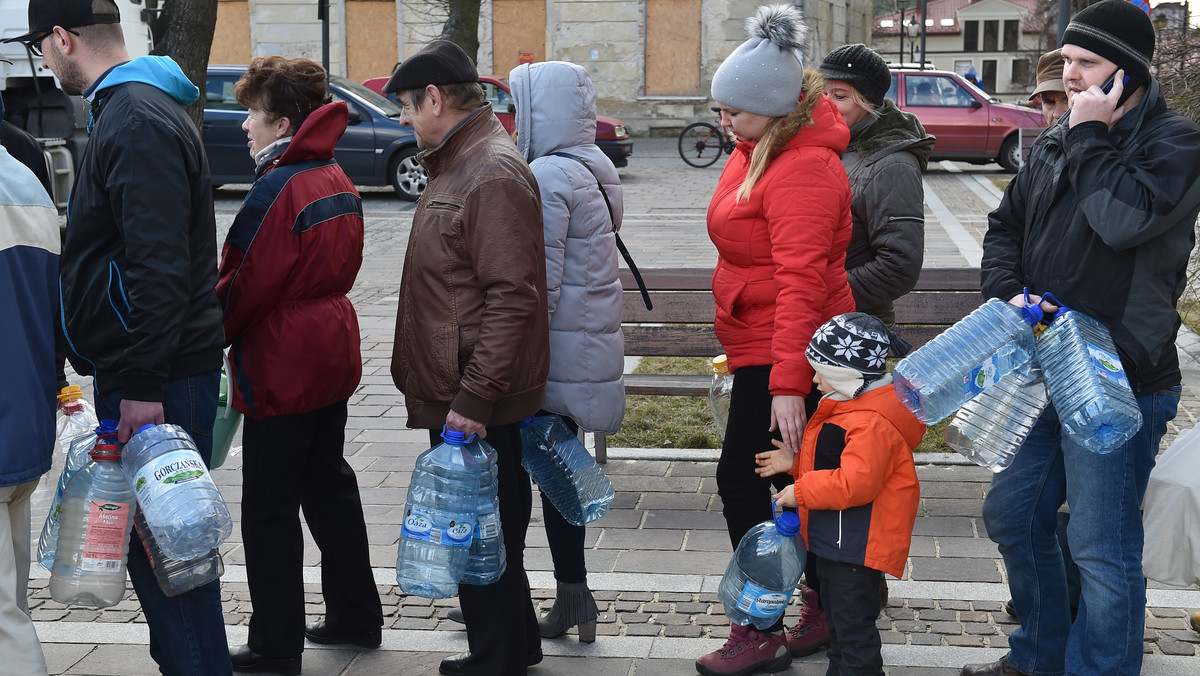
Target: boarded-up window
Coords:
[[231, 37], [371, 49], [518, 29], [672, 47]]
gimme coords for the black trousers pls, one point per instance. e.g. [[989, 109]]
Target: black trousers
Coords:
[[292, 463], [502, 629], [564, 538], [852, 604]]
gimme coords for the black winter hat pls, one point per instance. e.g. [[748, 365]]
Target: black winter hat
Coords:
[[1117, 30], [859, 65], [437, 63]]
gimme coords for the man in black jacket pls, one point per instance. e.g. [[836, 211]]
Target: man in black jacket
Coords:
[[1103, 216], [138, 275]]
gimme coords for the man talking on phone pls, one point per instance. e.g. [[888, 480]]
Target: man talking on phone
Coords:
[[1102, 216]]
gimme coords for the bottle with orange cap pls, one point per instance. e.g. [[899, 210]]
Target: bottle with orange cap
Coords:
[[719, 392], [93, 542], [76, 417]]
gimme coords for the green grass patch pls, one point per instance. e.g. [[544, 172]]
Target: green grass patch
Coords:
[[686, 422], [1001, 180]]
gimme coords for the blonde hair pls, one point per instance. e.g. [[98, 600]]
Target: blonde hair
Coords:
[[779, 131]]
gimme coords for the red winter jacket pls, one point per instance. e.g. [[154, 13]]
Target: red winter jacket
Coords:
[[289, 260], [781, 270]]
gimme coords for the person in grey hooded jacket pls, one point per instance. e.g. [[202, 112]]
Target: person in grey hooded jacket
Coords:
[[581, 212], [888, 152]]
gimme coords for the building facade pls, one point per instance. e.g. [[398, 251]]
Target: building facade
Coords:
[[651, 61]]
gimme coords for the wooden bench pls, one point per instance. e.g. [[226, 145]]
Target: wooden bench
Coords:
[[680, 325]]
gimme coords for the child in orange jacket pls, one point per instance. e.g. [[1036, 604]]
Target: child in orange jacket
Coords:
[[856, 486]]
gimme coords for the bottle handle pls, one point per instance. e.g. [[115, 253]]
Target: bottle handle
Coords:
[[776, 518], [1062, 309]]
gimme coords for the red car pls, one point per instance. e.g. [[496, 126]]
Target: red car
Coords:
[[969, 124], [611, 136]]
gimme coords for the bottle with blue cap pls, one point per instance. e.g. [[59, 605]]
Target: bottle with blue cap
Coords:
[[1087, 382], [562, 467], [763, 573], [965, 359], [487, 562], [439, 519], [182, 505], [93, 541]]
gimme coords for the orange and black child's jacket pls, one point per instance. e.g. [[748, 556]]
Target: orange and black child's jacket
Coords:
[[855, 480]]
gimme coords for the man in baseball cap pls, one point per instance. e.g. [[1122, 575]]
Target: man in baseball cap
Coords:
[[44, 15]]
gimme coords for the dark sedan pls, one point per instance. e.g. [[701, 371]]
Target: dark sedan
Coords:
[[375, 150]]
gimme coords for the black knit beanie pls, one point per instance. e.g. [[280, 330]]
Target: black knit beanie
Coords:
[[1117, 30], [859, 65]]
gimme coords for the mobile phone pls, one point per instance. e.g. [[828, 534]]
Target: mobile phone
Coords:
[[1125, 93]]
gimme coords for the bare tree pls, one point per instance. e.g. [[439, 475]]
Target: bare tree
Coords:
[[183, 30], [462, 25]]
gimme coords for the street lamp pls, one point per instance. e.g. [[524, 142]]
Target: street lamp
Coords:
[[913, 27], [901, 7]]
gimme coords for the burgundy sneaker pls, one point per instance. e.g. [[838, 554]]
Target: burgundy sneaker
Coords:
[[811, 633], [746, 652]]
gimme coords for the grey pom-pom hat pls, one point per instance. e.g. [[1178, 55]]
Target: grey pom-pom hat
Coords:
[[765, 74]]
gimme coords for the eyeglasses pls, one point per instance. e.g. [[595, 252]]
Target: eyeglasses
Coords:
[[34, 45]]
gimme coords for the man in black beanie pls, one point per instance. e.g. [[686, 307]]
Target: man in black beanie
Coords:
[[472, 347], [1102, 215]]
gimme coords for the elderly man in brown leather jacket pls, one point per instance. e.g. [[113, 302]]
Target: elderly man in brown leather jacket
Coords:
[[472, 331]]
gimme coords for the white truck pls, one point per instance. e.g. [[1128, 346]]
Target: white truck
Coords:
[[34, 102]]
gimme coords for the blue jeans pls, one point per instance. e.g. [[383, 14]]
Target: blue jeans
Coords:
[[1105, 531], [187, 632]]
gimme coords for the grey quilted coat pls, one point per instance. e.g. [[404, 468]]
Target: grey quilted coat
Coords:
[[556, 113]]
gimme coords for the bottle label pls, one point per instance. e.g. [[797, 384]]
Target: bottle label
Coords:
[[160, 475], [1108, 365], [488, 527], [424, 527], [760, 602], [981, 377], [104, 543]]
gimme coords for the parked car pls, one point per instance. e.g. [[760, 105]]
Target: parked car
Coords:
[[375, 150], [611, 134], [969, 124]]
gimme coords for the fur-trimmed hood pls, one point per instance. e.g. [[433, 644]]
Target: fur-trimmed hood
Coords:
[[892, 131]]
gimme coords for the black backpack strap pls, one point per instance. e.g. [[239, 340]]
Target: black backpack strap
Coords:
[[637, 276]]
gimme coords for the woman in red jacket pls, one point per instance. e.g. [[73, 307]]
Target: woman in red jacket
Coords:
[[290, 258], [780, 219]]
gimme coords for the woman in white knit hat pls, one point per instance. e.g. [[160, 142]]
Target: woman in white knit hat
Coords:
[[780, 219]]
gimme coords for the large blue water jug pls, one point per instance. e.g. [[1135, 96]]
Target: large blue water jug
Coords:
[[564, 470], [965, 359], [1087, 383], [764, 570], [183, 506], [990, 428], [486, 562], [439, 519]]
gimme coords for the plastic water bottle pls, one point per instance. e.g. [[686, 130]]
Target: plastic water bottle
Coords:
[[990, 428], [564, 470], [764, 570], [77, 457], [720, 391], [1087, 383], [487, 561], [76, 418], [176, 577], [93, 541], [182, 505], [439, 519], [965, 359]]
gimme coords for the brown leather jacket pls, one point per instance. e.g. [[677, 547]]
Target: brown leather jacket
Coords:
[[472, 330]]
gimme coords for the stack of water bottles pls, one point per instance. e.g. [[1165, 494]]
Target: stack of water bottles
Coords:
[[1001, 373], [762, 575], [75, 435], [93, 539], [451, 531], [564, 470], [181, 516], [719, 392]]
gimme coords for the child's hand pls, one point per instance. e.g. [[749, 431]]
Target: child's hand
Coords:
[[787, 497], [778, 461]]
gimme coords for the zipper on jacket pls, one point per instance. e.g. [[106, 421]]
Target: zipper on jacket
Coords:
[[444, 206]]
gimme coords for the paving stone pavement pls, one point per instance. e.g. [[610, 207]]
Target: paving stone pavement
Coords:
[[656, 558]]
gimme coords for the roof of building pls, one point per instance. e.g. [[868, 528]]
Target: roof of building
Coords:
[[942, 17]]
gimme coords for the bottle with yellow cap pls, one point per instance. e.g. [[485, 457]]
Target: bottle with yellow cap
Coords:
[[720, 391], [76, 417]]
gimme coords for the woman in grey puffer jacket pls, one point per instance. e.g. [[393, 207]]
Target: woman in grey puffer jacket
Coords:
[[556, 113], [888, 152]]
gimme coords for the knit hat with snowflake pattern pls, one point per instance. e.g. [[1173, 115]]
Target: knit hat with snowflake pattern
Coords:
[[850, 352]]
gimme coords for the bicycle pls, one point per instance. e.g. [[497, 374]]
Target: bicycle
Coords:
[[701, 143]]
